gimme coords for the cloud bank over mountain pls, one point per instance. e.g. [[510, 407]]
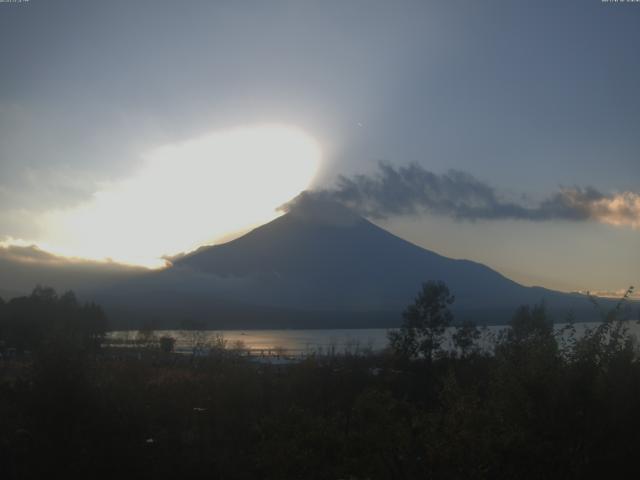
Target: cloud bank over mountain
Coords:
[[23, 267], [414, 190]]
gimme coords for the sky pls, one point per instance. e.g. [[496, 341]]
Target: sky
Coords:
[[135, 130]]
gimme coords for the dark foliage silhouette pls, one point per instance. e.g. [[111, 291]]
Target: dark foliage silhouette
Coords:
[[542, 403], [45, 319], [425, 322], [465, 337]]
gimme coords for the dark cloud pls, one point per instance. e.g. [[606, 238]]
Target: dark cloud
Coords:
[[413, 190], [23, 267], [31, 253]]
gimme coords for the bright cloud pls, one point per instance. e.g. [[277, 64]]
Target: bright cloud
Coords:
[[187, 194], [620, 210]]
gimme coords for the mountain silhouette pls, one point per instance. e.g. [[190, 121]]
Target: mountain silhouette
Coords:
[[319, 265]]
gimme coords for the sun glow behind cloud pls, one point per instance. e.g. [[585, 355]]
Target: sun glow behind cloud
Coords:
[[620, 210], [188, 194]]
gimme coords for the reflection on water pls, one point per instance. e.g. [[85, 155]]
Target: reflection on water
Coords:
[[305, 342], [270, 342]]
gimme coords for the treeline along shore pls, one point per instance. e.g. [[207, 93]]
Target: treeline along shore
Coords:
[[540, 404]]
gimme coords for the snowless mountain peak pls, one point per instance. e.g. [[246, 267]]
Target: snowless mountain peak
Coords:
[[313, 207]]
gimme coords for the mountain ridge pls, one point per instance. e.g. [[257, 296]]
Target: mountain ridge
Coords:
[[315, 266]]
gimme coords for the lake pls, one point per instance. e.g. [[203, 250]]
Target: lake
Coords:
[[306, 342]]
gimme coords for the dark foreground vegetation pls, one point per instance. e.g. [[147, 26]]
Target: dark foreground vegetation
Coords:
[[543, 404]]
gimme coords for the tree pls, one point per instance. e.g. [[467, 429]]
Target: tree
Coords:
[[167, 344], [530, 342], [610, 339], [465, 337], [43, 294], [44, 320], [425, 322], [530, 323]]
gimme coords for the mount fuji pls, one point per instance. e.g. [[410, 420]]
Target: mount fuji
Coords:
[[318, 266]]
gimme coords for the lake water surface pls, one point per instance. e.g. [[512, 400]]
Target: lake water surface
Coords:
[[305, 342]]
